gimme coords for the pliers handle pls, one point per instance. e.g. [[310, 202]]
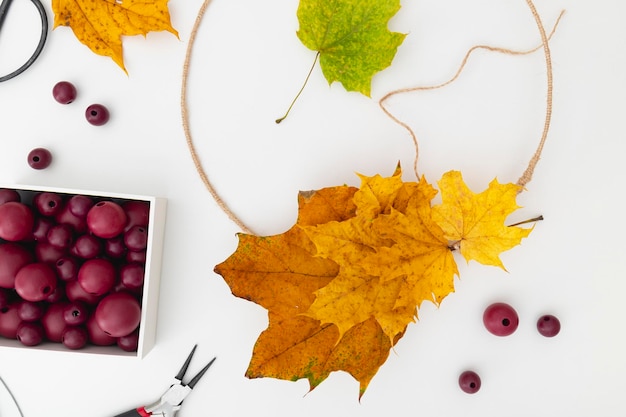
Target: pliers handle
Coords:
[[139, 412]]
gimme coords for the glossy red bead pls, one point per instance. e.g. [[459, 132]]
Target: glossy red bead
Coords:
[[500, 319], [39, 158], [97, 114], [548, 325], [469, 382]]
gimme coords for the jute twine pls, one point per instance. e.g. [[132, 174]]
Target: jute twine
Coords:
[[522, 181]]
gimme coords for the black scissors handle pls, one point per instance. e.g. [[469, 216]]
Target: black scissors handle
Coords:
[[4, 8]]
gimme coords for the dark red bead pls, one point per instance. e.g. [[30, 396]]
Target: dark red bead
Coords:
[[39, 158]]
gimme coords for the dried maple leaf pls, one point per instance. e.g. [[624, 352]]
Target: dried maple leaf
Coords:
[[420, 252], [389, 263], [282, 274], [344, 282], [299, 347], [100, 24], [351, 37], [475, 222]]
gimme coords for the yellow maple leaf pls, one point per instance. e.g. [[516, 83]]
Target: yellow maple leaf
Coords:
[[100, 24], [420, 251], [475, 222], [351, 298], [390, 262]]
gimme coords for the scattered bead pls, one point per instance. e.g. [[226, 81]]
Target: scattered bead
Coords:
[[500, 319], [64, 92], [97, 114], [469, 381], [548, 325], [39, 158]]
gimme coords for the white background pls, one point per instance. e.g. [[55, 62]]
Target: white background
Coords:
[[247, 66]]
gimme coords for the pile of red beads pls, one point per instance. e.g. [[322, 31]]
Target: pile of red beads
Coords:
[[71, 268]]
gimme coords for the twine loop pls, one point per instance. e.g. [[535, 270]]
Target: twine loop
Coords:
[[526, 176]]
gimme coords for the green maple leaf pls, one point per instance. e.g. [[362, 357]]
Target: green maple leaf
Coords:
[[351, 38]]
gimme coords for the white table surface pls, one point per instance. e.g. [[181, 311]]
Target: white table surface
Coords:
[[247, 65]]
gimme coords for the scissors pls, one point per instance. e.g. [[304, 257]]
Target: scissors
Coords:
[[4, 8], [170, 402]]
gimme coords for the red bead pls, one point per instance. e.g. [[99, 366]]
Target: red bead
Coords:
[[39, 158], [97, 114]]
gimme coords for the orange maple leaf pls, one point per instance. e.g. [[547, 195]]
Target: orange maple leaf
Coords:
[[282, 274], [344, 282], [100, 24]]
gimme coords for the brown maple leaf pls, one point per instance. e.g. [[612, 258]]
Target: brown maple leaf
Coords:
[[100, 24]]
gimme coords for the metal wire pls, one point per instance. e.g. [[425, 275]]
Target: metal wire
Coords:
[[12, 396]]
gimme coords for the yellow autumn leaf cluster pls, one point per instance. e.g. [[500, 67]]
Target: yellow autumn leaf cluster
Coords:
[[396, 252], [346, 280]]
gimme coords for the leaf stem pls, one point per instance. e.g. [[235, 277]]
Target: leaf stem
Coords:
[[456, 245], [306, 80], [534, 219]]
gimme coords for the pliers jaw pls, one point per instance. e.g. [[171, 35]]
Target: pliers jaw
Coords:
[[170, 402]]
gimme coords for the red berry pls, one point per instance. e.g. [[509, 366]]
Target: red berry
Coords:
[[97, 336], [118, 314], [30, 333], [79, 205], [136, 256], [114, 247], [138, 213], [30, 311], [60, 236], [48, 204], [67, 268], [53, 322], [13, 257], [75, 292], [469, 381], [548, 325], [106, 219], [45, 252], [132, 276], [64, 92], [35, 282], [41, 227], [9, 321], [500, 319], [65, 216], [16, 221], [7, 194], [76, 313], [74, 337], [97, 276], [86, 246], [97, 114], [136, 238], [129, 343]]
